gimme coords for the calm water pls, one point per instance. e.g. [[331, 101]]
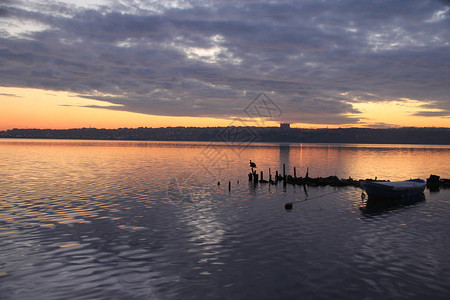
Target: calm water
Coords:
[[147, 220]]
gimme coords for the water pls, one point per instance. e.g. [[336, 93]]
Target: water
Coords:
[[147, 220]]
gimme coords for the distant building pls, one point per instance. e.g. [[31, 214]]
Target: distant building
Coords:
[[285, 126]]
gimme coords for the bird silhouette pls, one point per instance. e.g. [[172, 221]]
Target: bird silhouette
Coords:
[[252, 165]]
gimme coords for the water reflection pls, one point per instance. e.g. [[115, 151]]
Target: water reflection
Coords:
[[205, 231], [379, 205], [393, 162], [285, 158], [102, 220]]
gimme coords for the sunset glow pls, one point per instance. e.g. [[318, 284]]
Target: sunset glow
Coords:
[[34, 108], [399, 113]]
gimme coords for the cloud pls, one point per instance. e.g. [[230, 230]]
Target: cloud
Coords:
[[8, 95], [211, 59], [433, 114], [379, 125]]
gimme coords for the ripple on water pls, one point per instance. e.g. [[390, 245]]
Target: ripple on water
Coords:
[[97, 224]]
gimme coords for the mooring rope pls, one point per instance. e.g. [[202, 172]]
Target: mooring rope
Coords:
[[288, 205]]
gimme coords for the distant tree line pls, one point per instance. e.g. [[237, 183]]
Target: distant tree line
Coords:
[[240, 135]]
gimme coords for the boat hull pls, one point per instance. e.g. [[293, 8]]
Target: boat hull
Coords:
[[394, 190]]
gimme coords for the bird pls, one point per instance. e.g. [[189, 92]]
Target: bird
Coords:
[[252, 165]]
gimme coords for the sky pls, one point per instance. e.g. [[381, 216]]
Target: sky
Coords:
[[117, 63]]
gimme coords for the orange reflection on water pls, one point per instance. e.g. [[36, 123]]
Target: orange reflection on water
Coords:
[[62, 182], [393, 162], [69, 245]]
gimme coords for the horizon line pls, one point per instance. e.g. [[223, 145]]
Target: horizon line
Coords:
[[205, 127]]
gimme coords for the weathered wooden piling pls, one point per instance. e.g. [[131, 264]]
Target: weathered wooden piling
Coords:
[[229, 185], [262, 178], [434, 182], [255, 178]]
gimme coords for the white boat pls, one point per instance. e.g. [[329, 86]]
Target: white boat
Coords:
[[394, 189]]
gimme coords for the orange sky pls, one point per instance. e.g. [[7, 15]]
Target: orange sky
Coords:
[[34, 108]]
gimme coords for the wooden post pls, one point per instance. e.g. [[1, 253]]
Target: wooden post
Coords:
[[255, 179], [295, 173], [250, 176], [276, 175], [229, 185], [284, 170], [262, 174]]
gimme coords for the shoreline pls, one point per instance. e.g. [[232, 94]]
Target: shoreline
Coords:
[[243, 136], [223, 143]]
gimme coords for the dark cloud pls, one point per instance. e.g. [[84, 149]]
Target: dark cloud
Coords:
[[433, 114], [8, 95], [315, 59], [380, 125], [3, 12]]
